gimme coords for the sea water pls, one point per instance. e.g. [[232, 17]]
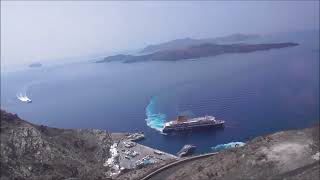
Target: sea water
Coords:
[[255, 93]]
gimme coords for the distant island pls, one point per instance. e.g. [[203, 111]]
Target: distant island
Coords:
[[33, 65], [186, 42], [196, 51]]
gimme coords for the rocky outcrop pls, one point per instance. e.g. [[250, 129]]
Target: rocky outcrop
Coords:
[[30, 151]]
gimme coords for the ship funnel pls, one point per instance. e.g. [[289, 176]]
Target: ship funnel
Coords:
[[181, 119]]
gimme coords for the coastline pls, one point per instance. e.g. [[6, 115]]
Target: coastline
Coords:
[[30, 151]]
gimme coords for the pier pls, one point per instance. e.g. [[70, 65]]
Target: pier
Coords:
[[130, 155]]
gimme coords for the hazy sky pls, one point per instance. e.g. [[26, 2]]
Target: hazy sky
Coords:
[[40, 31]]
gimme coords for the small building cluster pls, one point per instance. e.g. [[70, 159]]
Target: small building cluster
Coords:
[[113, 162]]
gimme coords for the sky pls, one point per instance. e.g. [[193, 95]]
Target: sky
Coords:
[[43, 31]]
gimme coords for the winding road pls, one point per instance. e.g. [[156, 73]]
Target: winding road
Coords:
[[158, 172]]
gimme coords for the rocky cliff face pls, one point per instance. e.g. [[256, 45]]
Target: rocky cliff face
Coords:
[[30, 151]]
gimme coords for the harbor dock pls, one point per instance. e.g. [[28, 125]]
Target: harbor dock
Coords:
[[127, 154]]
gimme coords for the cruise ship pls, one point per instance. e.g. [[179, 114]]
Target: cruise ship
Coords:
[[182, 123]]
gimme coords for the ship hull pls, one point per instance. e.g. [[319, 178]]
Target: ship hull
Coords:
[[188, 128]]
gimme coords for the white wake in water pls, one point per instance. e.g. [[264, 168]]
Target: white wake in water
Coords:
[[22, 94], [154, 119], [23, 98], [227, 146]]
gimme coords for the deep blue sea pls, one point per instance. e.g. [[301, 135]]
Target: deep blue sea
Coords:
[[255, 93]]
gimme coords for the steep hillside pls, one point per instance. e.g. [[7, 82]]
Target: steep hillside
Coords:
[[30, 151]]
